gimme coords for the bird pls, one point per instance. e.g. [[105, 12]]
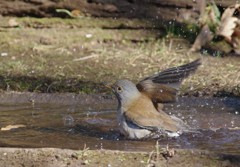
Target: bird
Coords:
[[140, 112]]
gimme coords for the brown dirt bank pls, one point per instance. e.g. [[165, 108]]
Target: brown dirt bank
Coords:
[[18, 98], [63, 157]]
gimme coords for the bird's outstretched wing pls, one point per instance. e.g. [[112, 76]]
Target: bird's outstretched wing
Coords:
[[162, 87]]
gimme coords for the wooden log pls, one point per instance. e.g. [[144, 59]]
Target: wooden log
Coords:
[[179, 10]]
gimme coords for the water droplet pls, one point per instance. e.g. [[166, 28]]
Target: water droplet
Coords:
[[194, 122], [71, 110], [68, 120]]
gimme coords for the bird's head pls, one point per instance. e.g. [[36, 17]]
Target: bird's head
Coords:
[[125, 91]]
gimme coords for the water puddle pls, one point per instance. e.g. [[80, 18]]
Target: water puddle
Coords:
[[94, 125]]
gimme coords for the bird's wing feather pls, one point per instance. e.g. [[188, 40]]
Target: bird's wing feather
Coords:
[[159, 93], [162, 87], [143, 114]]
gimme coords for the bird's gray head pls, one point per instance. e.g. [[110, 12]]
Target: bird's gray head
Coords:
[[125, 91]]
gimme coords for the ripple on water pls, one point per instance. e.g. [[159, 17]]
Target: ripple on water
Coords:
[[217, 122]]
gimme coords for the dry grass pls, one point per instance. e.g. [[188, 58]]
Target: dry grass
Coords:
[[66, 50]]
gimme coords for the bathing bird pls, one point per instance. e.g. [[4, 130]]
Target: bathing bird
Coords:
[[140, 112]]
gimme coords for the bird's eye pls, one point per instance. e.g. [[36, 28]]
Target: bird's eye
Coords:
[[119, 88]]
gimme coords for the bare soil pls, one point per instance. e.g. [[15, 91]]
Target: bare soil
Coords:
[[76, 55], [52, 157]]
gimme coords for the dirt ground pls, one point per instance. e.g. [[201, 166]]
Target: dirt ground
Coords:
[[52, 157], [76, 55]]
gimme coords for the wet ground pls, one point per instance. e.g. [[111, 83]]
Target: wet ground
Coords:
[[216, 120]]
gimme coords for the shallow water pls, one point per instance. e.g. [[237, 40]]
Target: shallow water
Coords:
[[94, 125]]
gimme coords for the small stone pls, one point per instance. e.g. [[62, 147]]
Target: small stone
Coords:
[[88, 35], [57, 157], [4, 54], [74, 156], [13, 23]]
